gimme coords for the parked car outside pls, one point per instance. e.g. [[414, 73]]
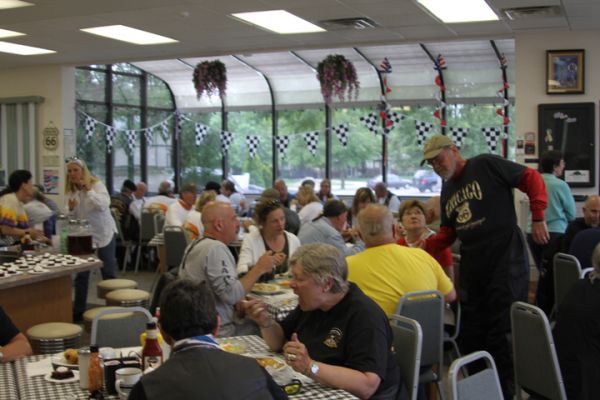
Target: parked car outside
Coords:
[[426, 179], [393, 181]]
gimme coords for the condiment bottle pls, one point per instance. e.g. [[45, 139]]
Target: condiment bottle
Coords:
[[95, 375], [152, 354], [84, 366]]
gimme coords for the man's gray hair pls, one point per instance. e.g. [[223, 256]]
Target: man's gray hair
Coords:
[[595, 274], [321, 262], [374, 222]]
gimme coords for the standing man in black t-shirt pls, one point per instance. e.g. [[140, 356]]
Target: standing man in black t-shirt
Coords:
[[477, 206], [13, 344]]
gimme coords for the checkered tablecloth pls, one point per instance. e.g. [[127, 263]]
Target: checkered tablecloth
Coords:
[[8, 384], [310, 389], [279, 305]]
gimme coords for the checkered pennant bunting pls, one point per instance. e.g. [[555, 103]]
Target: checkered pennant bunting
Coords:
[[423, 129], [201, 132], [492, 135], [458, 135], [226, 139], [149, 133], [164, 131], [341, 131], [312, 140], [90, 127], [111, 133], [130, 134], [370, 121], [395, 117], [179, 121], [253, 142], [282, 143]]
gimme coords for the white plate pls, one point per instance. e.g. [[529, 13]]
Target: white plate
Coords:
[[75, 378], [60, 361]]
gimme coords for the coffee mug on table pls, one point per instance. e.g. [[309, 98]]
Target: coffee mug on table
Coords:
[[125, 380]]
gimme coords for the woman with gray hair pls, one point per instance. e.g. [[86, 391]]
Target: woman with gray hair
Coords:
[[337, 335], [577, 335]]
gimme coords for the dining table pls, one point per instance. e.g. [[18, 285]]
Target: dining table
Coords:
[[280, 300]]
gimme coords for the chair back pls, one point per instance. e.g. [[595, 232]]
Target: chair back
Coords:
[[427, 308], [407, 351], [115, 215], [484, 384], [159, 222], [567, 271], [175, 244], [586, 271], [147, 231], [583, 245], [163, 281], [119, 332], [536, 365]]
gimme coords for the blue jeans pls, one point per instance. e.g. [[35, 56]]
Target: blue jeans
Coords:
[[106, 254]]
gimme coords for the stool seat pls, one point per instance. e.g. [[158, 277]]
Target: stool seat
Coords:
[[108, 285], [127, 298], [89, 315], [53, 337]]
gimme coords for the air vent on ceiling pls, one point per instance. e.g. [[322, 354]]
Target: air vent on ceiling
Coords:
[[348, 23], [532, 12]]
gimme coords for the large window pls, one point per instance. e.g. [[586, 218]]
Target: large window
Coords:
[[201, 163]]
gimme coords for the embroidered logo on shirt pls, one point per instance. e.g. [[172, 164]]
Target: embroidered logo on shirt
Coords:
[[464, 213], [333, 338]]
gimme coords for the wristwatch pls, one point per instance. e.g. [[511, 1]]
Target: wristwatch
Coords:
[[314, 368]]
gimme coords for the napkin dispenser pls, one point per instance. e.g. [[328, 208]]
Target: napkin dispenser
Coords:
[[113, 364]]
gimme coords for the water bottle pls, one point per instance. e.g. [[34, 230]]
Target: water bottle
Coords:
[[62, 231]]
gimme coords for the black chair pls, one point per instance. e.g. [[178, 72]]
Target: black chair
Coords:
[[163, 281], [147, 232], [407, 351], [175, 244], [567, 271]]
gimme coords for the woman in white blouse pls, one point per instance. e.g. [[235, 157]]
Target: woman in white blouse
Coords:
[[88, 199], [310, 203]]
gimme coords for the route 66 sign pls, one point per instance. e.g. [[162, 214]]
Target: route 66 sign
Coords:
[[50, 139]]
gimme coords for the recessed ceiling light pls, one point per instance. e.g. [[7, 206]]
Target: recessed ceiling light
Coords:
[[457, 11], [7, 47], [6, 4], [5, 33], [279, 21], [130, 35]]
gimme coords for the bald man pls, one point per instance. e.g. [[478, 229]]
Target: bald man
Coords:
[[590, 219], [209, 260]]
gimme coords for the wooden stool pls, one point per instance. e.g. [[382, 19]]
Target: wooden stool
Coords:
[[54, 337], [89, 315], [108, 285], [128, 298]]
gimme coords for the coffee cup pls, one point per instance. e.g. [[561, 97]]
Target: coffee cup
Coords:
[[125, 379]]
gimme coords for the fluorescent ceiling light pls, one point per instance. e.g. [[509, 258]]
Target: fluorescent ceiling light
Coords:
[[6, 47], [457, 11], [4, 33], [130, 35], [6, 4], [279, 21]]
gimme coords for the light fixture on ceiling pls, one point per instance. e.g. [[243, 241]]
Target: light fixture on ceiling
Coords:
[[5, 33], [279, 21], [22, 50], [6, 4], [128, 34], [460, 11]]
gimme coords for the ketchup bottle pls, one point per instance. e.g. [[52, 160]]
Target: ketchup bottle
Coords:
[[152, 354]]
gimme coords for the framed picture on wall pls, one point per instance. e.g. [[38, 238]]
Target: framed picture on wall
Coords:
[[565, 71], [569, 128]]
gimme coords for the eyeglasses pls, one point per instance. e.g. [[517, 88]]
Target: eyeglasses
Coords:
[[293, 387]]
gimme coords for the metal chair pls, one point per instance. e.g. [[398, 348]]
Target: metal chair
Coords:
[[427, 308], [175, 244], [159, 222], [535, 362], [147, 232], [484, 384], [119, 332], [121, 240], [450, 338], [586, 271], [407, 350], [567, 271]]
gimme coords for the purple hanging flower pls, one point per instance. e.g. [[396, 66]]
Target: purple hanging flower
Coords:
[[210, 77], [338, 77]]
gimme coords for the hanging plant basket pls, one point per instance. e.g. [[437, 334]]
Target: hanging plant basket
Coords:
[[337, 76], [210, 77]]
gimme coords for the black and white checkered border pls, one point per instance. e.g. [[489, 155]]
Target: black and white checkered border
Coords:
[[8, 384], [253, 142]]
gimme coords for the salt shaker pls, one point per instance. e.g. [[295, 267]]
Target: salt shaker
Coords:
[[84, 366]]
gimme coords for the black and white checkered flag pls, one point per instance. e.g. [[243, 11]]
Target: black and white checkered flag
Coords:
[[226, 139], [370, 121], [90, 128], [458, 135], [164, 131], [423, 129], [282, 143], [395, 117], [149, 133], [130, 134], [341, 131], [201, 132], [179, 119], [312, 140], [111, 133], [492, 135], [253, 142]]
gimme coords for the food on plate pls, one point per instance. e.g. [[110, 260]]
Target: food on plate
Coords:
[[71, 356], [269, 362], [234, 347], [62, 373], [265, 288], [285, 283]]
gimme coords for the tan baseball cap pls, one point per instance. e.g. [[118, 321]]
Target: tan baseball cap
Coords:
[[434, 146]]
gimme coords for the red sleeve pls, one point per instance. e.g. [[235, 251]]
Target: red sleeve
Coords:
[[444, 238], [402, 241], [444, 258], [533, 185]]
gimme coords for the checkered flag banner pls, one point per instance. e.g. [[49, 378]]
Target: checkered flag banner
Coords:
[[164, 131], [226, 139], [130, 135], [149, 133], [282, 143], [492, 135], [90, 127], [370, 121], [253, 142], [179, 120], [395, 117], [312, 140], [458, 135], [423, 129], [201, 132], [111, 133], [341, 131]]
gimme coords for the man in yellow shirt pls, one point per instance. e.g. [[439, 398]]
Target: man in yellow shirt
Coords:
[[386, 271]]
